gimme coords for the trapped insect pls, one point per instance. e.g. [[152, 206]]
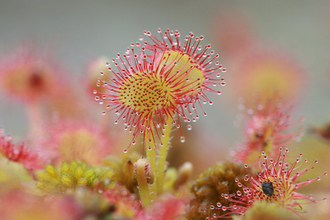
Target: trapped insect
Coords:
[[267, 188]]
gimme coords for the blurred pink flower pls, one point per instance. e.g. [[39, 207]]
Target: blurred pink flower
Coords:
[[68, 140], [268, 126], [28, 75], [269, 72]]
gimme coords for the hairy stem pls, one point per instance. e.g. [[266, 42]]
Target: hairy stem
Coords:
[[151, 157], [162, 156]]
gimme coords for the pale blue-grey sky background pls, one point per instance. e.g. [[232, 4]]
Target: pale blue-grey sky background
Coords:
[[85, 29]]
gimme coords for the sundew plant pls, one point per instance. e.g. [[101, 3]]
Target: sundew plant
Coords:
[[74, 165]]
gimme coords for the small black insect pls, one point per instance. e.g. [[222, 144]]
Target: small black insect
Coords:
[[267, 188]]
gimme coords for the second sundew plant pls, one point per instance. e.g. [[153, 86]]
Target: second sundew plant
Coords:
[[268, 126], [277, 181], [151, 89]]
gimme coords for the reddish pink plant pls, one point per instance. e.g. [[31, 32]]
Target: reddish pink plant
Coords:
[[160, 82], [277, 182], [268, 127], [198, 69], [20, 153]]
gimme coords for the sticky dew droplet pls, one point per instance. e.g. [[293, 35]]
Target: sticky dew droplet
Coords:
[[125, 150], [182, 139], [189, 127]]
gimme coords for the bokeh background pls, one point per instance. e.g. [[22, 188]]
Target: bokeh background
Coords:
[[77, 32]]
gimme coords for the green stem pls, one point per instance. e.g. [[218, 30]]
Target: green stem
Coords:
[[162, 156], [151, 157], [142, 181]]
